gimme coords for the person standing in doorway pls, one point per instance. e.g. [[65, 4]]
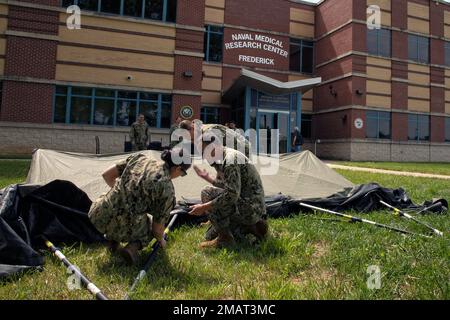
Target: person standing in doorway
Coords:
[[297, 142], [139, 134]]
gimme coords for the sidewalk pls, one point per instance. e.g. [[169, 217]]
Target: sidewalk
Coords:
[[383, 171]]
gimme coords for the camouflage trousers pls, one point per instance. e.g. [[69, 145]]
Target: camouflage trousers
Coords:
[[232, 216], [138, 147], [120, 226]]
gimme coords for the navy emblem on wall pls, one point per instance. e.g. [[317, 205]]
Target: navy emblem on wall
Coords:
[[186, 112]]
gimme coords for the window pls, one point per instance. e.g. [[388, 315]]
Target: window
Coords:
[[78, 105], [447, 53], [210, 115], [213, 43], [301, 56], [447, 129], [418, 48], [379, 42], [164, 10], [418, 127], [378, 125], [306, 126]]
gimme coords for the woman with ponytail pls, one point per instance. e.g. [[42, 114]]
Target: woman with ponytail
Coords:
[[138, 205]]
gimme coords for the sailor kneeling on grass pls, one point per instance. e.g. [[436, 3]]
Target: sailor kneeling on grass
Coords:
[[139, 203]]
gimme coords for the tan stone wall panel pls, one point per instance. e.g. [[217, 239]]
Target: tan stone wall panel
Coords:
[[115, 58], [307, 105], [378, 73], [212, 71], [113, 77], [117, 40], [212, 84], [447, 108], [301, 30], [119, 23], [418, 105], [308, 94], [417, 25], [447, 95], [3, 25], [2, 46], [447, 31], [302, 15], [3, 9], [211, 97], [386, 19], [418, 92], [418, 10], [378, 101], [214, 15], [379, 62], [378, 87], [2, 66], [383, 4], [215, 3]]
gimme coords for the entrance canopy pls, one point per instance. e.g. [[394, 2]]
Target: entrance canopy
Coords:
[[267, 85]]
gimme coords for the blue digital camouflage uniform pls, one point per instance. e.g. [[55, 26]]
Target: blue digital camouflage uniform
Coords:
[[239, 142], [237, 194], [144, 192]]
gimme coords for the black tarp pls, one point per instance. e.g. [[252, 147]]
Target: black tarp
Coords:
[[59, 209]]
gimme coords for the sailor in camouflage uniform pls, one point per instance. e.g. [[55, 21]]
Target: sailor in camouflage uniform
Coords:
[[139, 134], [238, 141], [235, 199], [139, 203]]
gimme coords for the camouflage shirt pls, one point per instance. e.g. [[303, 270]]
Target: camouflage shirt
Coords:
[[144, 187], [139, 133], [240, 180], [239, 141]]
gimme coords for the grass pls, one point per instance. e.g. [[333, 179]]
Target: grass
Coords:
[[304, 258], [433, 168]]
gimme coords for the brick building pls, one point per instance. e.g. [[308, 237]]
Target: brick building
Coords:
[[366, 94]]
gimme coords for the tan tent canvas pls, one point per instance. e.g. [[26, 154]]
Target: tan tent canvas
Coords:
[[299, 175]]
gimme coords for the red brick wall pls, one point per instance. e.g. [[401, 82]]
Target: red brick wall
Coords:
[[399, 98], [29, 57], [179, 101], [332, 14], [357, 133], [323, 99], [258, 14], [437, 103], [335, 69], [437, 52], [188, 40], [191, 12], [33, 20], [229, 75], [44, 2], [436, 20], [399, 126], [437, 129], [399, 44], [191, 64], [334, 45], [334, 125], [27, 102], [399, 18]]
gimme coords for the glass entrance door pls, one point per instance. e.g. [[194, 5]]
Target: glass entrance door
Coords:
[[272, 120]]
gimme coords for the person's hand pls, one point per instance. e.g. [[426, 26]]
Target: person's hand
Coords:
[[162, 243], [198, 210], [202, 173]]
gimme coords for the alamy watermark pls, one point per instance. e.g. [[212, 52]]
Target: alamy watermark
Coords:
[[73, 21], [374, 279]]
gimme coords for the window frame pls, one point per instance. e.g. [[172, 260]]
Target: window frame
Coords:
[[447, 53], [447, 130], [378, 38], [379, 116], [417, 122], [302, 43], [417, 38], [208, 33], [121, 11], [216, 113], [93, 96]]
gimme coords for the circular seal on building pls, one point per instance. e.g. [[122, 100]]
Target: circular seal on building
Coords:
[[359, 123], [186, 112]]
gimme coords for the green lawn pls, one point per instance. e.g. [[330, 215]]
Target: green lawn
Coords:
[[434, 168], [304, 258]]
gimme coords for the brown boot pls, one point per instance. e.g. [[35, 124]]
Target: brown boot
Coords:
[[131, 252], [259, 229], [113, 246], [224, 239]]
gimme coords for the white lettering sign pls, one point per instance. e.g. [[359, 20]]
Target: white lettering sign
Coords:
[[257, 42]]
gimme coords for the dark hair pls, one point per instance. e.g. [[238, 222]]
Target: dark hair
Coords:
[[168, 155], [186, 124]]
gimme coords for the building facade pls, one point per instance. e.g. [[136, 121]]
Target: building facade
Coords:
[[358, 93]]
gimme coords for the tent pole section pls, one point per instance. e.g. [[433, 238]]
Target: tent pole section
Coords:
[[357, 219]]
